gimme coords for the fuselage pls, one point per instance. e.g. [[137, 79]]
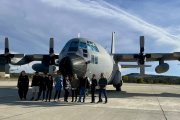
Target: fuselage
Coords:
[[83, 57]]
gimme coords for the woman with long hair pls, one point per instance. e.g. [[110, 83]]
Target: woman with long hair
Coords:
[[74, 87]]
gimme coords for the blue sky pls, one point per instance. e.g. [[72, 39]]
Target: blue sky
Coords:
[[30, 23]]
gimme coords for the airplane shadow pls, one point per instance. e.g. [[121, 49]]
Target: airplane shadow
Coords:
[[9, 96], [124, 94]]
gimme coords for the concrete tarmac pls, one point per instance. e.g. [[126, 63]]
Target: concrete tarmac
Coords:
[[135, 102]]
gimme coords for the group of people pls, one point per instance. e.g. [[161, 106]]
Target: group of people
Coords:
[[42, 85]]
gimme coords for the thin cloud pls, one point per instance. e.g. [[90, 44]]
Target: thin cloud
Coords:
[[108, 11]]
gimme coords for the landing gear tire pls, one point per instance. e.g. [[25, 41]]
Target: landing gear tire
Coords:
[[118, 87]]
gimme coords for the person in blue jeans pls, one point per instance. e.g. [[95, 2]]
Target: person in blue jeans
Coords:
[[84, 84], [58, 84], [102, 87]]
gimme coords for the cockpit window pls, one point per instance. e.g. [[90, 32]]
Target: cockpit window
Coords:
[[73, 46], [65, 47], [83, 45], [91, 46]]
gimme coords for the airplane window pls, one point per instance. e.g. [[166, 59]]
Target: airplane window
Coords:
[[83, 45], [73, 49], [65, 47], [85, 53], [96, 49], [92, 58], [73, 46], [96, 60], [91, 46]]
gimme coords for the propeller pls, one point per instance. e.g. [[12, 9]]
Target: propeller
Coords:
[[50, 59], [8, 56], [141, 57]]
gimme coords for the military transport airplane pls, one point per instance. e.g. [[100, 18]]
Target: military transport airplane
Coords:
[[85, 57]]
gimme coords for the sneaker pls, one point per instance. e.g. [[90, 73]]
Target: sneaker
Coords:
[[99, 102]]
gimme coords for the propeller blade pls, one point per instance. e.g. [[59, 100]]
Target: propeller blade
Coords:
[[51, 69], [51, 46], [7, 67], [141, 44], [6, 45], [142, 71]]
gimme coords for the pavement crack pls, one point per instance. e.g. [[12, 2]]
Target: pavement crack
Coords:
[[159, 103]]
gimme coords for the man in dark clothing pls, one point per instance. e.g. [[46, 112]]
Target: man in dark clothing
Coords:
[[84, 84], [49, 88], [42, 85], [35, 85], [93, 88], [102, 87], [23, 85]]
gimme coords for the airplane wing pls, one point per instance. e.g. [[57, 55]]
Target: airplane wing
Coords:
[[133, 66], [21, 59], [142, 57], [46, 58], [147, 57]]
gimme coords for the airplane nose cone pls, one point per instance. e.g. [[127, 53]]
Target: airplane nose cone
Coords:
[[73, 64]]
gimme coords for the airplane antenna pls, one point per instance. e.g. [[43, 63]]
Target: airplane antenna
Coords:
[[113, 43], [79, 35]]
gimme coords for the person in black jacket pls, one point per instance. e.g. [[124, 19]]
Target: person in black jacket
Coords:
[[42, 85], [67, 88], [49, 87], [35, 85], [102, 87], [23, 85], [84, 84], [93, 87]]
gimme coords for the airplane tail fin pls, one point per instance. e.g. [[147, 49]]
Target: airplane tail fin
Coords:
[[113, 43]]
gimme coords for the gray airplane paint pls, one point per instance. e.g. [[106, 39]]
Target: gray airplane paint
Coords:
[[105, 63]]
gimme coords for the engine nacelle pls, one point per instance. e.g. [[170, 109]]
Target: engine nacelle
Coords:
[[41, 68], [164, 67]]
